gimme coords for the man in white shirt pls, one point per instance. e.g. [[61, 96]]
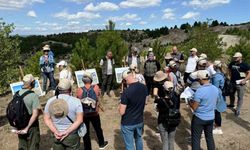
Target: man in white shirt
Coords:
[[191, 63], [107, 64]]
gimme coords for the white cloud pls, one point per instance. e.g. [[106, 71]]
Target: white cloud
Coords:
[[205, 3], [31, 13], [139, 3], [143, 22], [78, 1], [126, 17], [190, 15], [72, 23], [17, 4], [102, 6], [78, 15], [168, 14]]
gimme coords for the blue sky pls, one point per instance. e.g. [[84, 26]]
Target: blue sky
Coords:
[[57, 16]]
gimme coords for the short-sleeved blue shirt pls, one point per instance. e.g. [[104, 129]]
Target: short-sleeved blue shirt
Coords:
[[134, 97], [206, 96]]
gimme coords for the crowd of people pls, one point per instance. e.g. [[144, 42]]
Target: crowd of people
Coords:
[[65, 113]]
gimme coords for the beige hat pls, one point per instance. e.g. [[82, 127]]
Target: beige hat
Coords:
[[204, 56], [172, 63], [126, 73], [150, 49], [64, 84], [237, 54], [202, 62], [28, 78], [46, 48], [168, 85], [160, 76], [203, 74], [87, 75], [217, 63], [58, 108], [193, 49], [168, 56], [61, 63]]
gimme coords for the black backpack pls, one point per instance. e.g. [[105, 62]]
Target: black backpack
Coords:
[[227, 86], [16, 112]]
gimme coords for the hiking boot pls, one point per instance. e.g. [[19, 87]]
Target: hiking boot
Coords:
[[103, 146], [230, 106]]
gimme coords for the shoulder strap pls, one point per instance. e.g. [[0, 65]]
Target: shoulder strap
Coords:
[[70, 119], [26, 93]]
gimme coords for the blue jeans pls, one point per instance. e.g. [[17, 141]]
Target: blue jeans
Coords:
[[167, 138], [132, 133], [50, 76]]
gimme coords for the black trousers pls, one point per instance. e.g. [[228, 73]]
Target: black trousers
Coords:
[[149, 83], [96, 123], [106, 83], [186, 75], [197, 126], [217, 119]]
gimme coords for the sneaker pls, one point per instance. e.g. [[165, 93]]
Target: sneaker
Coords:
[[217, 131], [104, 145], [236, 113], [230, 106]]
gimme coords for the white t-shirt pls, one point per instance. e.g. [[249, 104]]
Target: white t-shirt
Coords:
[[134, 60], [191, 64], [65, 74], [109, 69]]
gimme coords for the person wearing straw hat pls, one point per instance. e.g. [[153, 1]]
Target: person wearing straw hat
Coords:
[[89, 95], [65, 73], [218, 80], [47, 64], [203, 105], [131, 109], [191, 64], [29, 137], [63, 114], [240, 74]]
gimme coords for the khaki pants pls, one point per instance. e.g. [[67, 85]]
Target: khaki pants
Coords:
[[71, 142], [29, 141]]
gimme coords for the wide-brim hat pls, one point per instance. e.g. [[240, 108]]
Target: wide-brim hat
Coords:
[[202, 55], [87, 75], [58, 108], [61, 63], [217, 63], [46, 48], [160, 76], [172, 64], [203, 74], [64, 84], [168, 85]]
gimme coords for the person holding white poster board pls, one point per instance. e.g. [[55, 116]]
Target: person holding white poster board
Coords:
[[80, 74]]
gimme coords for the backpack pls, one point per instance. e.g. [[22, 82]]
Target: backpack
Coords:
[[17, 112], [226, 88], [89, 99]]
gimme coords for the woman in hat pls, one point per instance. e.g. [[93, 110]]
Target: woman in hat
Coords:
[[165, 106], [65, 72], [218, 80]]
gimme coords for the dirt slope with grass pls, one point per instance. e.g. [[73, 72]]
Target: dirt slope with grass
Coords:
[[236, 130]]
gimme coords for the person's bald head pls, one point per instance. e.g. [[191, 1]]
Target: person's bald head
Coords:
[[174, 49]]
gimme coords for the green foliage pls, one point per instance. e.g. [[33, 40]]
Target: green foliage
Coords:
[[239, 32], [110, 26], [157, 32], [243, 47], [32, 64], [85, 53], [9, 56], [159, 51], [111, 40], [214, 23], [186, 27], [205, 40]]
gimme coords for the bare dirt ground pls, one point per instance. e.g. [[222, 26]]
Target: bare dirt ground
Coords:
[[236, 130]]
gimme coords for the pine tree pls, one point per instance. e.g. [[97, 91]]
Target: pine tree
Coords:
[[9, 56]]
